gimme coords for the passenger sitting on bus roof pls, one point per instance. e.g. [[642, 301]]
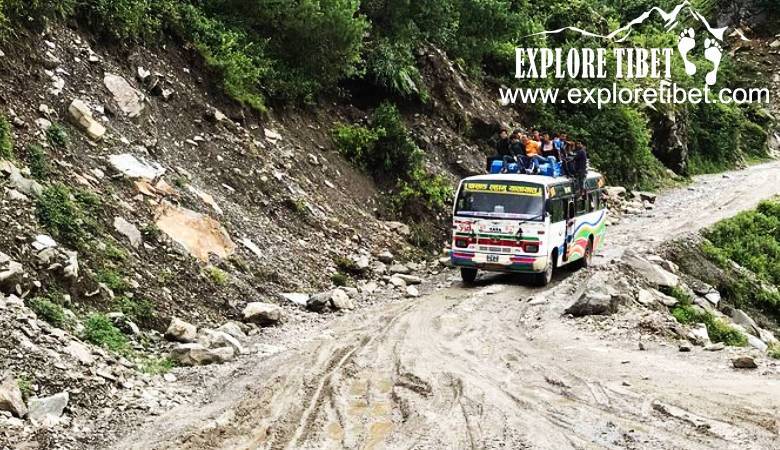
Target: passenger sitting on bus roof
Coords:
[[502, 148], [548, 149], [559, 144], [533, 150]]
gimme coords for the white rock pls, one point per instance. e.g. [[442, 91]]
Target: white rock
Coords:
[[134, 167], [129, 99], [217, 339], [82, 116], [341, 300], [48, 410], [412, 292], [11, 397], [263, 314], [129, 231], [80, 352], [181, 331], [295, 297], [43, 241]]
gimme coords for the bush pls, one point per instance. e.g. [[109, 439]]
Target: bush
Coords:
[[57, 136], [355, 142], [774, 351], [25, 385], [113, 280], [138, 310], [62, 212], [217, 276], [339, 279], [718, 330], [127, 19], [99, 330], [156, 366], [39, 162], [6, 139], [47, 310]]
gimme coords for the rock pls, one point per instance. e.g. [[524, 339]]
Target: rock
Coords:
[[48, 410], [386, 257], [369, 287], [362, 263], [744, 362], [713, 297], [318, 302], [397, 282], [653, 273], [24, 185], [645, 196], [43, 241], [129, 231], [649, 297], [11, 397], [741, 318], [200, 235], [11, 273], [718, 346], [775, 43], [399, 228], [234, 329], [198, 355], [767, 336], [409, 279], [615, 191], [15, 196], [756, 343], [684, 347], [698, 335], [412, 292], [80, 352], [340, 300], [81, 115], [594, 300], [181, 331], [216, 115], [263, 314], [143, 74], [214, 339], [297, 298], [396, 269], [670, 266], [129, 99], [134, 167]]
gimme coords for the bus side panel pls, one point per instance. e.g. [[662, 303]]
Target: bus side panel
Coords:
[[595, 224], [557, 239]]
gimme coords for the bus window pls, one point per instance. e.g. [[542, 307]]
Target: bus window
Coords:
[[556, 210], [582, 204], [593, 201]]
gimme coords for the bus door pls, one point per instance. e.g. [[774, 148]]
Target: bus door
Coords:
[[571, 224]]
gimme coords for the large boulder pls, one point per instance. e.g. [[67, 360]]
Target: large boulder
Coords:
[[341, 300], [263, 314], [234, 329], [744, 362], [48, 410], [198, 355], [741, 318], [593, 302], [81, 115], [11, 397], [129, 99], [181, 331], [214, 339], [654, 274]]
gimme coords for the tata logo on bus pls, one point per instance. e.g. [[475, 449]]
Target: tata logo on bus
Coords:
[[534, 191]]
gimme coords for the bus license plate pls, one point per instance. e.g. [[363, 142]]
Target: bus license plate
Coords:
[[492, 258]]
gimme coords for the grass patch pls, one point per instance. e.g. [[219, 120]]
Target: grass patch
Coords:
[[6, 139], [57, 136], [339, 279], [113, 280], [69, 215], [139, 310], [39, 162], [156, 366], [115, 253], [99, 330], [774, 351], [48, 311], [25, 384], [217, 276]]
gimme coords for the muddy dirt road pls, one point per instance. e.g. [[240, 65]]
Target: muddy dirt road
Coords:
[[495, 366]]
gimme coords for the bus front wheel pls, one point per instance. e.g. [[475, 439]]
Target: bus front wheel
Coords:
[[544, 278], [469, 276]]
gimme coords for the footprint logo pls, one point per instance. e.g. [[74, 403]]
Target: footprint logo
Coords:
[[687, 43], [712, 53]]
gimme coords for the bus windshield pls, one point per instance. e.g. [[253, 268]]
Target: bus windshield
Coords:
[[501, 200]]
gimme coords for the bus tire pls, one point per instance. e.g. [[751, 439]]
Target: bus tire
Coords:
[[587, 259], [469, 276], [544, 278]]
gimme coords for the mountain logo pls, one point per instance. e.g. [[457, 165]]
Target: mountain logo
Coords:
[[713, 47]]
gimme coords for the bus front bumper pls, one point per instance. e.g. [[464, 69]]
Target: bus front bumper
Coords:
[[499, 263]]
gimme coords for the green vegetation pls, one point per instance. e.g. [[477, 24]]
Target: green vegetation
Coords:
[[25, 384], [386, 150], [112, 279], [139, 310], [346, 265], [718, 330], [6, 139], [57, 136], [774, 351], [339, 279], [156, 366], [68, 215], [47, 310], [99, 330], [752, 240], [39, 162], [217, 276]]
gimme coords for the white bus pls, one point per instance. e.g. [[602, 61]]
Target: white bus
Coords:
[[526, 224]]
